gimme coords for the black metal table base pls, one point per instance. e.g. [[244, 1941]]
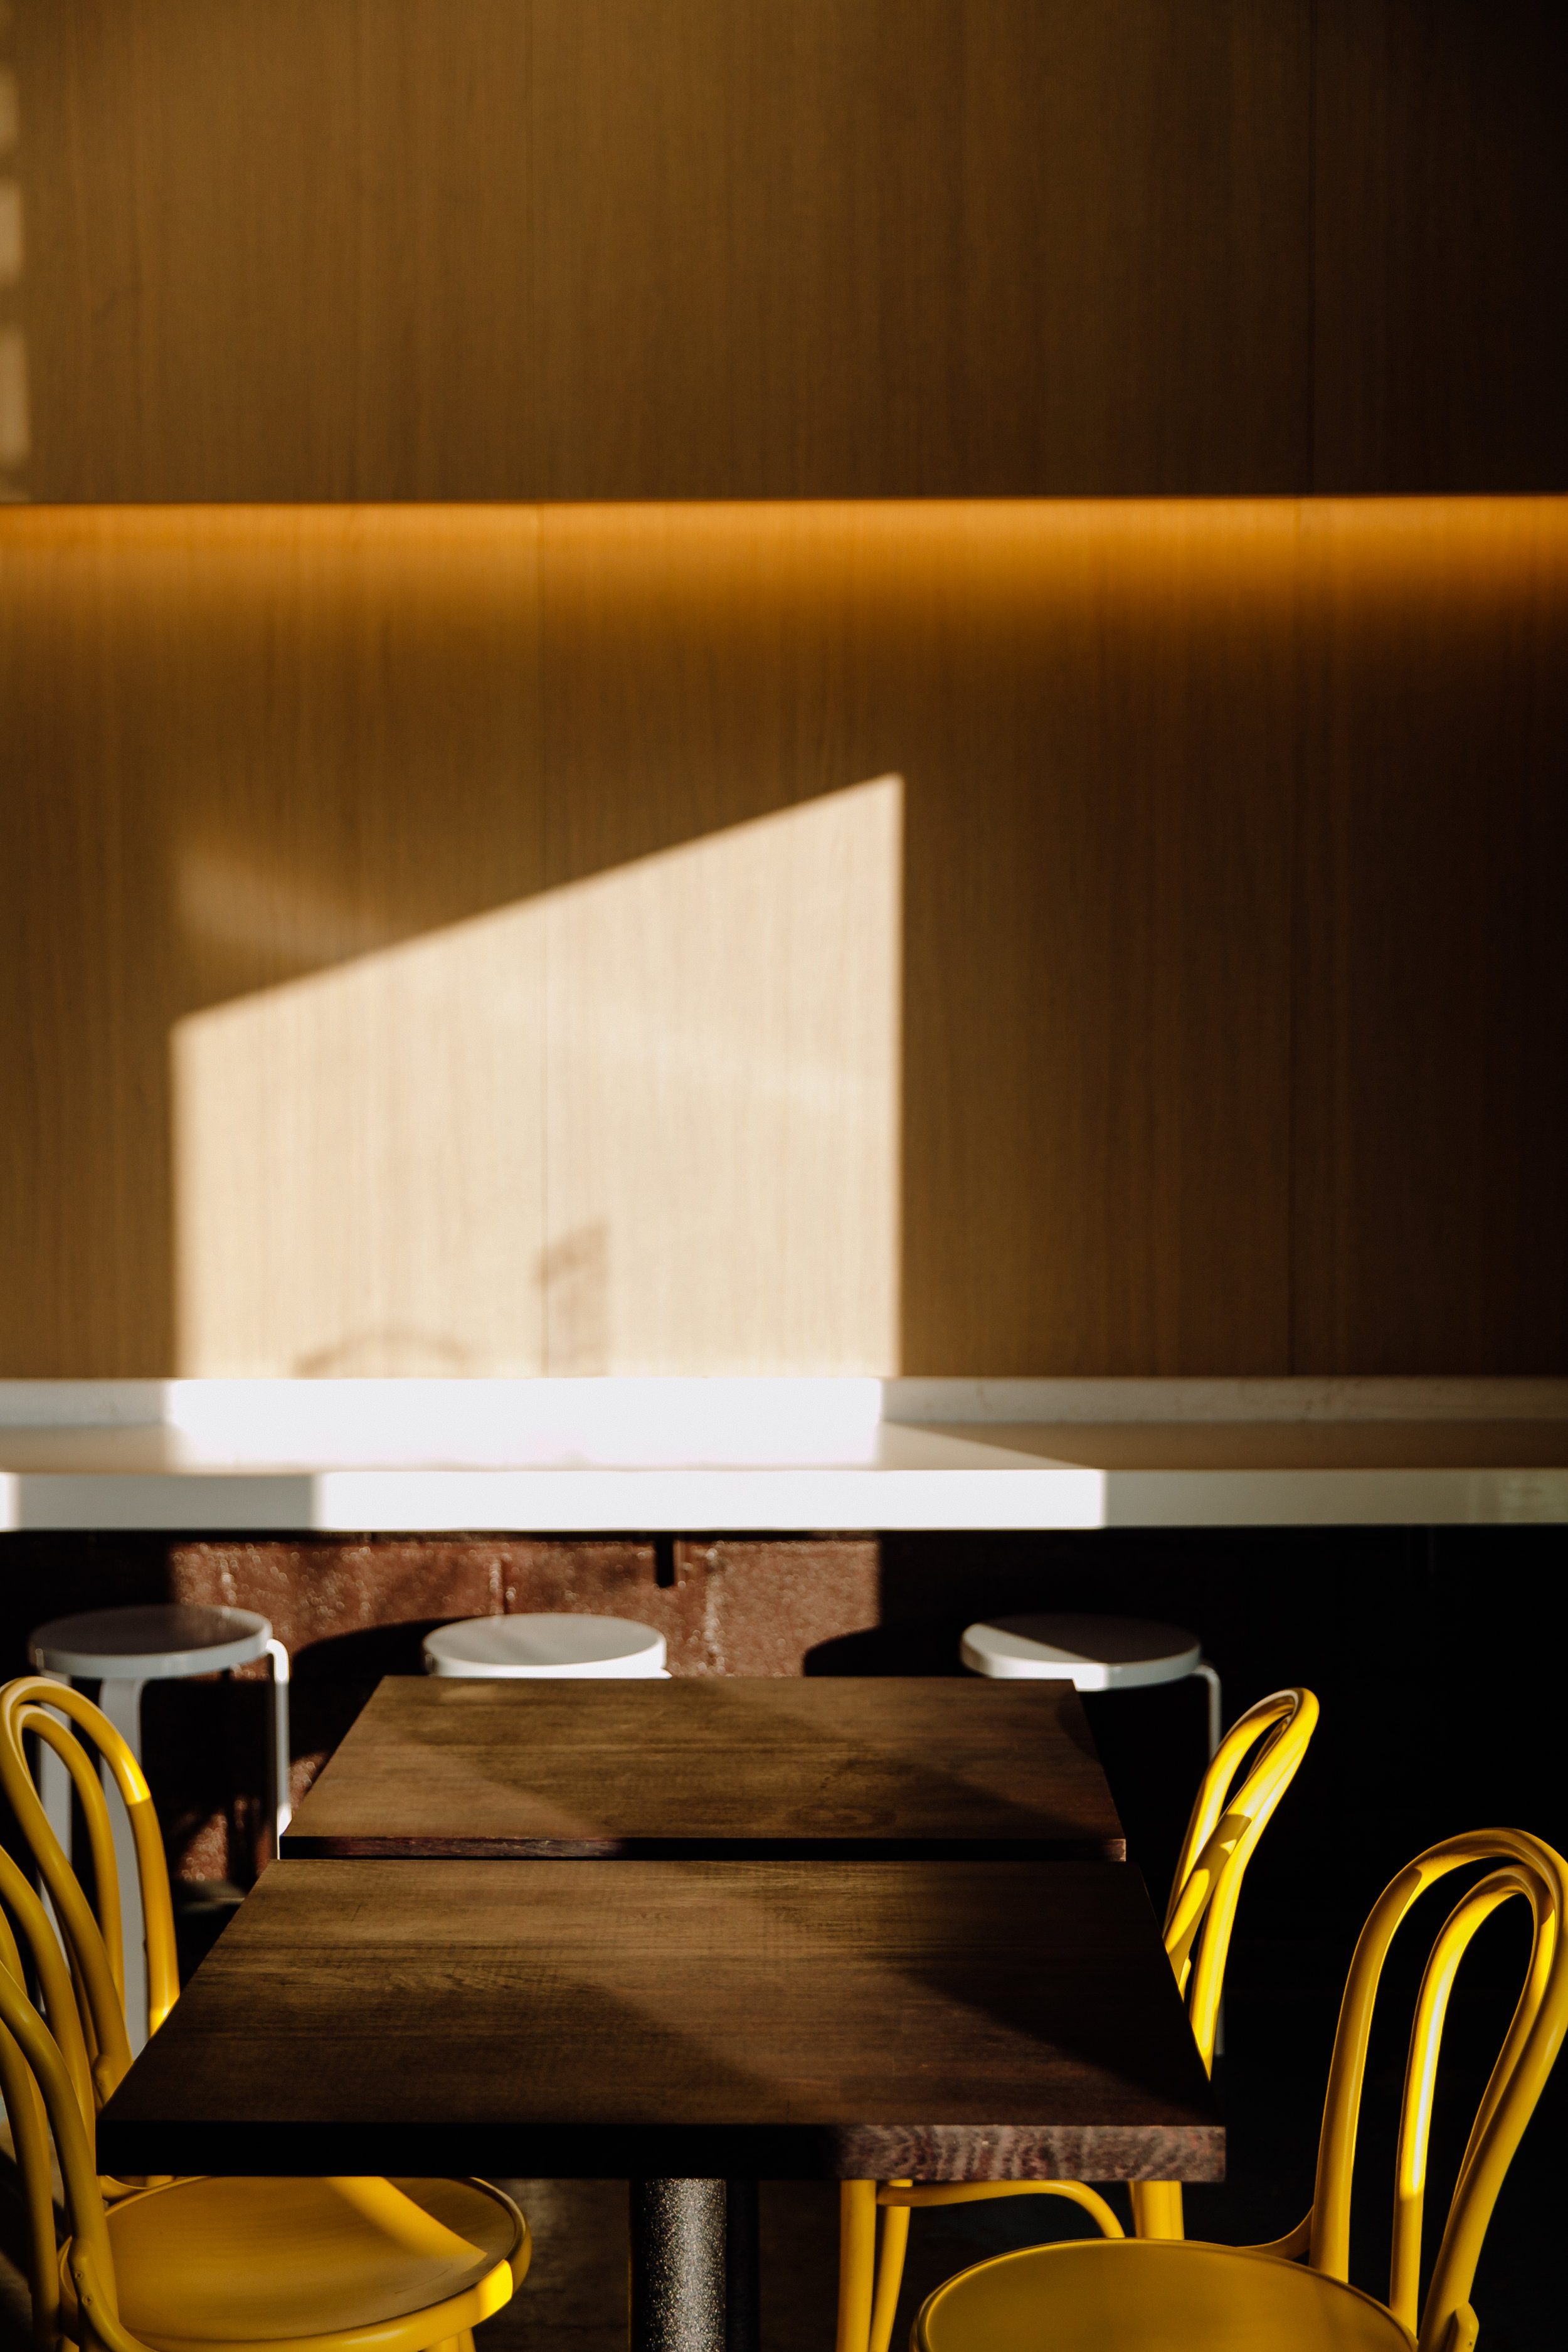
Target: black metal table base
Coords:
[[694, 2278]]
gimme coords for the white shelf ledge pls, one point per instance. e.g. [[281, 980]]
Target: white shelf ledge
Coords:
[[686, 1455]]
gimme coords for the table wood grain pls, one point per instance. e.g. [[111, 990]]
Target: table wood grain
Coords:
[[686, 2020], [716, 1767]]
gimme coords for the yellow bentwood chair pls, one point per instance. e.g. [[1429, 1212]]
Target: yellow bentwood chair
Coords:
[[1222, 1836], [93, 1939], [1154, 2295], [216, 2265]]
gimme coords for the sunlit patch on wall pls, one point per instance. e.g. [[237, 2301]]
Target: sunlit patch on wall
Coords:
[[644, 1123]]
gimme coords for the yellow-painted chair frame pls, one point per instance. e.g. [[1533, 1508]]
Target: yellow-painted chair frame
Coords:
[[48, 2093], [1263, 2284], [93, 1941], [29, 2130], [1222, 1836]]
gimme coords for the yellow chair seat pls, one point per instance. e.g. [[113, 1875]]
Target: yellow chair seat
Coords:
[[1151, 2294], [305, 2264]]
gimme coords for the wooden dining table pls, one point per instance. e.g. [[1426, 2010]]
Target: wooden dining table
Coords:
[[722, 1767], [692, 2017]]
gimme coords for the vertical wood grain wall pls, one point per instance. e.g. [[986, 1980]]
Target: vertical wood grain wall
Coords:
[[1231, 981], [541, 249], [1234, 978]]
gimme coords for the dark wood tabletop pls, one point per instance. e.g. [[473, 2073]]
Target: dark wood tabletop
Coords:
[[715, 1767], [683, 2020]]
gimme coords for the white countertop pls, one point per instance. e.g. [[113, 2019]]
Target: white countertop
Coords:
[[722, 1456]]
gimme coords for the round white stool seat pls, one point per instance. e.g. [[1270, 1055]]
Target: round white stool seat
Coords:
[[160, 1642], [1091, 1652], [547, 1648], [1094, 1654]]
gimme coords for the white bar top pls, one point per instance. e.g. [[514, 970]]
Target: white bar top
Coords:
[[710, 1456]]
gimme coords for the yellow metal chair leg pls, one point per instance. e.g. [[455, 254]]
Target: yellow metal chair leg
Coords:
[[889, 2271], [857, 2263], [1157, 2209]]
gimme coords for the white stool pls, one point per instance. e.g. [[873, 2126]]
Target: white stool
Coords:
[[542, 1646], [1094, 1654], [121, 1649]]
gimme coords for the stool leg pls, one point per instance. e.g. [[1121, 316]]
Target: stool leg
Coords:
[[122, 1702], [282, 1803]]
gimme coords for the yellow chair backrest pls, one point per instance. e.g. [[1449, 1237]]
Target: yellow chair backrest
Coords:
[[1528, 1869], [53, 2061], [93, 1942], [1222, 1837]]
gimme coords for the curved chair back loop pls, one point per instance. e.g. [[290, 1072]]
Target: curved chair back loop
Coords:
[[48, 2092], [94, 1944], [19, 1899], [31, 2041], [89, 1788], [90, 1793], [1533, 1871], [1222, 1837], [30, 2137]]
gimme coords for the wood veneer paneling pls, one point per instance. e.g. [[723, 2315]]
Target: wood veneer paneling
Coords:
[[277, 249], [383, 997], [1092, 710], [589, 248], [937, 247], [1440, 224], [241, 749], [1106, 857], [1431, 983], [593, 249]]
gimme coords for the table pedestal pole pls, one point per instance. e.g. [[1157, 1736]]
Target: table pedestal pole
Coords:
[[694, 2266]]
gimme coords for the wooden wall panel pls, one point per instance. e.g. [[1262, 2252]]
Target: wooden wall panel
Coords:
[[277, 249], [1092, 710], [238, 750], [598, 249], [358, 1163], [14, 432], [722, 1113], [1096, 974], [1441, 245], [851, 249], [1431, 989], [418, 923], [595, 248]]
